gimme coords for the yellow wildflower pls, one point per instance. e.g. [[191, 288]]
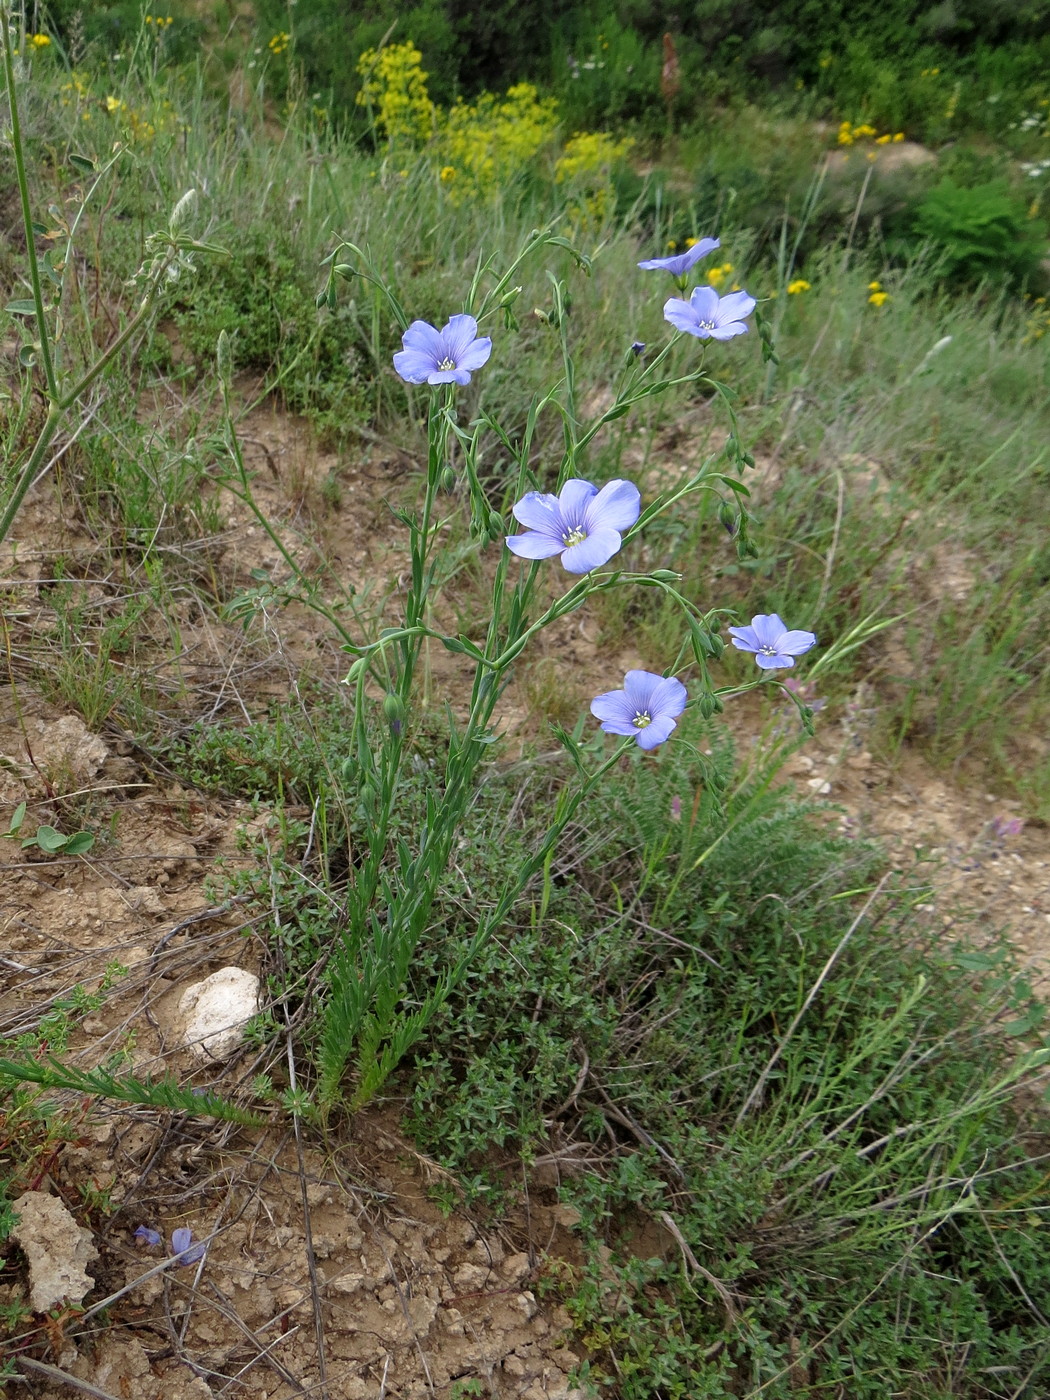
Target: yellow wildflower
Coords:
[[799, 285], [394, 86], [39, 41], [490, 140], [718, 275], [898, 136], [874, 286], [879, 298], [883, 140], [448, 172], [279, 43], [113, 104]]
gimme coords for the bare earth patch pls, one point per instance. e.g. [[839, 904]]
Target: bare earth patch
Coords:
[[330, 1269]]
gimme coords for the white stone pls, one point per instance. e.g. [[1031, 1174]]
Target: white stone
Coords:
[[212, 1014], [56, 1248]]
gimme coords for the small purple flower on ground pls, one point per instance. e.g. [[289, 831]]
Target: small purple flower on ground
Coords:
[[638, 347], [183, 1248], [708, 315], [148, 1236], [679, 265], [582, 524], [1007, 826], [447, 356], [771, 642], [646, 709]]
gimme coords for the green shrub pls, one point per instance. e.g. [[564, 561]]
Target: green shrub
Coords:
[[981, 233]]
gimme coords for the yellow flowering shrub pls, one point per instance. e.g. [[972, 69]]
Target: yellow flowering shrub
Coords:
[[848, 134], [395, 88], [586, 164], [589, 157], [1037, 322], [486, 143]]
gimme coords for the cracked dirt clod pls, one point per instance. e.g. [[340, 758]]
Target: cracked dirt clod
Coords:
[[56, 1248]]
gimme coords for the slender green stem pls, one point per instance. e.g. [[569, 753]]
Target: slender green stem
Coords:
[[27, 214], [30, 470]]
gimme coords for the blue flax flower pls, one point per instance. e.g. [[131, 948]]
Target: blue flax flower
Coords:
[[708, 315], [148, 1236], [646, 708], [771, 642], [442, 357], [582, 524], [183, 1248], [679, 265]]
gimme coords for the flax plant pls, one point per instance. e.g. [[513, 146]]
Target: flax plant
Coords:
[[369, 1018]]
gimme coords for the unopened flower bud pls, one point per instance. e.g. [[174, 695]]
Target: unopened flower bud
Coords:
[[665, 576], [345, 271], [354, 672], [348, 772], [224, 357], [366, 795], [495, 525], [710, 705], [638, 348], [394, 708], [728, 517], [448, 479]]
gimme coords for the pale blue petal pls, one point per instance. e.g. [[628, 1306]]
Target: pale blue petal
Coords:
[[597, 549], [795, 643], [727, 332], [457, 336], [744, 638], [736, 306], [768, 629], [422, 336], [681, 315], [573, 499], [476, 354], [615, 708], [448, 376], [617, 506], [639, 686], [539, 511], [414, 366], [773, 663], [668, 698], [704, 301], [534, 545], [655, 733]]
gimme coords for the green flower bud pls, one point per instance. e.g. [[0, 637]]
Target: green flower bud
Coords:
[[348, 772], [665, 576], [448, 479], [224, 357], [394, 708], [495, 525], [728, 517], [355, 670]]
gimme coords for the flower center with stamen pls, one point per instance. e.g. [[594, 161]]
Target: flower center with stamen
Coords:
[[576, 536], [767, 650], [446, 364], [706, 325], [642, 719]]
